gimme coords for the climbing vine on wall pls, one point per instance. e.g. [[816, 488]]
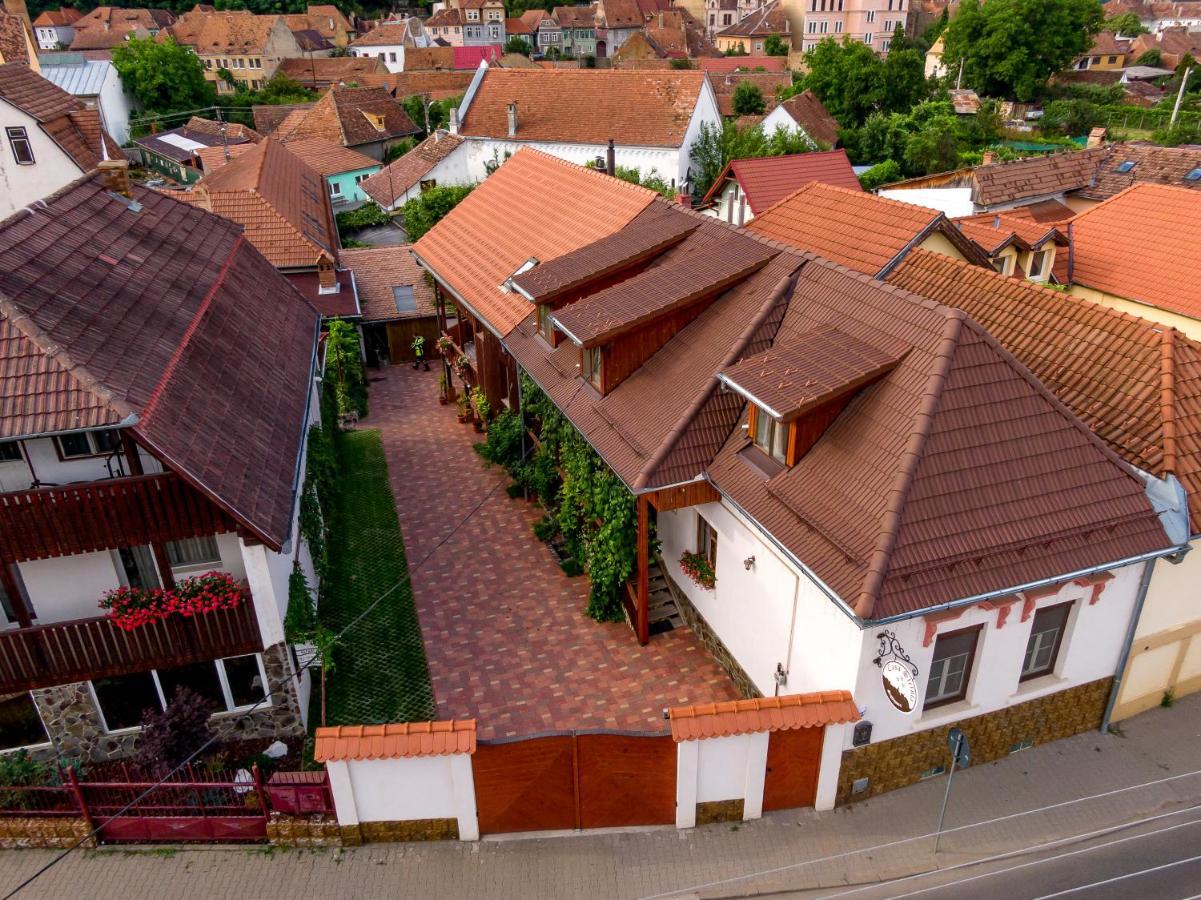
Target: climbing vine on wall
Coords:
[[592, 507]]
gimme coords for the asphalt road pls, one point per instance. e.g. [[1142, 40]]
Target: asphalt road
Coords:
[[1158, 858]]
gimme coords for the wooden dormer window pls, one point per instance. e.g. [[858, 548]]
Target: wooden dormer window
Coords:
[[769, 434], [546, 327], [591, 366]]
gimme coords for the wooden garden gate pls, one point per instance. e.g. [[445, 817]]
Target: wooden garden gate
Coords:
[[793, 760], [575, 780]]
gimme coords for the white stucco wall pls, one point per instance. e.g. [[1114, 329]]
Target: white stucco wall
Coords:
[[705, 112], [1090, 651], [769, 614], [665, 161], [115, 106], [21, 185], [393, 55], [43, 462], [68, 587], [400, 790], [724, 768], [953, 201], [779, 118], [455, 169]]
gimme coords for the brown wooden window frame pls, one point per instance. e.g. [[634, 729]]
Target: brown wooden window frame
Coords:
[[974, 631], [592, 366], [706, 541], [1058, 609], [774, 429]]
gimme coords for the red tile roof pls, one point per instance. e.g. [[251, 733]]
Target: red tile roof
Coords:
[[762, 714], [65, 15], [351, 116], [167, 319], [586, 106], [768, 180], [1134, 382], [736, 63], [1142, 245], [484, 239], [725, 83], [767, 19], [813, 118], [403, 740], [1038, 176], [1152, 164], [380, 269], [391, 182], [992, 232]]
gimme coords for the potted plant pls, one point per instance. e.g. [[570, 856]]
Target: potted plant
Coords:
[[444, 345], [483, 408], [461, 363], [461, 402], [418, 348], [443, 389]]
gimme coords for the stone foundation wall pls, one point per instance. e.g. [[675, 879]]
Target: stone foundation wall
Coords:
[[76, 729], [34, 831], [708, 637], [902, 761], [314, 831], [413, 830], [719, 811]]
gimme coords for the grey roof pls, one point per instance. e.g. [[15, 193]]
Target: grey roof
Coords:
[[1141, 72], [181, 144], [83, 79]]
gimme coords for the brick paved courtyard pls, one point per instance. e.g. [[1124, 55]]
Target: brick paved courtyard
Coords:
[[504, 628]]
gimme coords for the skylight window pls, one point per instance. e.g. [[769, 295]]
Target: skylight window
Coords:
[[405, 300], [1125, 167], [1193, 174]]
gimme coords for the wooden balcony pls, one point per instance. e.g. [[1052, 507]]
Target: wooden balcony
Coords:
[[102, 515], [81, 649]]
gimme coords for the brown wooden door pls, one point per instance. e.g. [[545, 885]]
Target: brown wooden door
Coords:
[[626, 780], [793, 760], [526, 785]]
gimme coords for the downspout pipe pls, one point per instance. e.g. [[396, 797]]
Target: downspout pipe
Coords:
[[1144, 585]]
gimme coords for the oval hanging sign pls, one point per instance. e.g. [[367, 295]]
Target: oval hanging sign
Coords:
[[898, 674]]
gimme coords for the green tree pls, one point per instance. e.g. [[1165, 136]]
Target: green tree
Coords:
[[934, 148], [1072, 117], [344, 366], [748, 99], [425, 211], [847, 78], [163, 77], [1151, 58], [903, 82], [881, 173], [737, 50], [520, 45], [681, 63], [1010, 48], [715, 146], [901, 41], [776, 46], [1127, 25]]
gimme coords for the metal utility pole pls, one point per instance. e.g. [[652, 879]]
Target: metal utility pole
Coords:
[[1180, 97], [957, 744]]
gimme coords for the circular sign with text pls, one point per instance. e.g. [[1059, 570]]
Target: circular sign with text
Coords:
[[899, 685]]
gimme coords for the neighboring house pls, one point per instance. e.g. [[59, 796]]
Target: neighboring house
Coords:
[[741, 64], [935, 66], [861, 231], [1137, 385], [397, 302], [366, 119], [107, 27], [747, 187], [53, 28], [652, 117], [720, 14], [343, 169], [326, 20], [889, 502], [49, 138], [724, 84], [1173, 45], [438, 161], [1159, 281], [389, 40], [269, 118], [616, 22], [1019, 246], [431, 85], [445, 27], [243, 46], [284, 207], [1107, 52], [578, 27], [95, 82], [803, 112], [175, 153], [522, 27], [547, 33], [872, 22], [468, 23], [142, 411], [750, 34], [320, 74], [430, 59]]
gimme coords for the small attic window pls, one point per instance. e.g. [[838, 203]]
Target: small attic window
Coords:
[[376, 120], [403, 297], [1127, 166], [1193, 174], [769, 434]]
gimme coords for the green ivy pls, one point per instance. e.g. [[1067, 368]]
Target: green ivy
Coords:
[[503, 444], [300, 621], [312, 528], [344, 366], [595, 511]]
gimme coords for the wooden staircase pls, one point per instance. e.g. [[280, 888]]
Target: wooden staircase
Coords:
[[664, 615]]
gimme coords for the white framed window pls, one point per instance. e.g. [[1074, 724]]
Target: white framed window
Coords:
[[706, 541], [824, 25], [193, 552], [1046, 639], [871, 15], [591, 365], [1038, 265], [770, 436], [18, 140], [82, 444], [335, 189], [951, 667], [838, 26], [20, 723]]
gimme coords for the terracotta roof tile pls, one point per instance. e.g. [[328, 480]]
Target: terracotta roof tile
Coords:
[[326, 158], [768, 180], [994, 231], [429, 58], [1152, 164], [725, 83], [385, 34], [65, 15], [402, 173], [351, 116], [1037, 176], [808, 112], [484, 239], [762, 714], [767, 19], [403, 740], [437, 84], [380, 269], [1142, 244], [1135, 383], [320, 73], [735, 63], [15, 46], [166, 313], [268, 118], [586, 106]]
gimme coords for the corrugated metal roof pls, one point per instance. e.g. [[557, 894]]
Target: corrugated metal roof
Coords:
[[82, 79]]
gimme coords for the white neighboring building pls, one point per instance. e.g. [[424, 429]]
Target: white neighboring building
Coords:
[[440, 160], [96, 83], [653, 117], [54, 28], [388, 41], [49, 138]]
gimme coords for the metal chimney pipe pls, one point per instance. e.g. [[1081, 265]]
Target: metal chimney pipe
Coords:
[[454, 120], [513, 119], [611, 158]]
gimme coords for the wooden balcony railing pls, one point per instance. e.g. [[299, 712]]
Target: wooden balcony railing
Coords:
[[82, 649], [102, 515]]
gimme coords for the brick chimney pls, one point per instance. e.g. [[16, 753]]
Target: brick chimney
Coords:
[[684, 199], [327, 278], [454, 120], [988, 158], [1096, 137], [115, 173], [611, 158], [513, 119]]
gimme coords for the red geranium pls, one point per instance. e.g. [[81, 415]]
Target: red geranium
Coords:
[[696, 567], [131, 608]]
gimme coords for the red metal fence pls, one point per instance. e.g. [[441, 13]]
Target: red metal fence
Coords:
[[189, 806]]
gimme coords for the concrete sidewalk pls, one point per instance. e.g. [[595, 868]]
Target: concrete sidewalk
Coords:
[[1160, 746]]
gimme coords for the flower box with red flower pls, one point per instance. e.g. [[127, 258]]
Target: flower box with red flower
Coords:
[[696, 566], [130, 607]]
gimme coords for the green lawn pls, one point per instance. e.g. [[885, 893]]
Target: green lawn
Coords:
[[380, 673]]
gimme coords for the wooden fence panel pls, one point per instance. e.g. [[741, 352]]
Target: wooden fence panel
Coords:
[[626, 780], [525, 785], [793, 761]]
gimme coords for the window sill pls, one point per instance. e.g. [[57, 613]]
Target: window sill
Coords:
[[1043, 684], [28, 748], [949, 712], [118, 732], [241, 710]]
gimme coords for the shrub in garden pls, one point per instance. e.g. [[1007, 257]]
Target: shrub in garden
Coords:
[[171, 735]]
